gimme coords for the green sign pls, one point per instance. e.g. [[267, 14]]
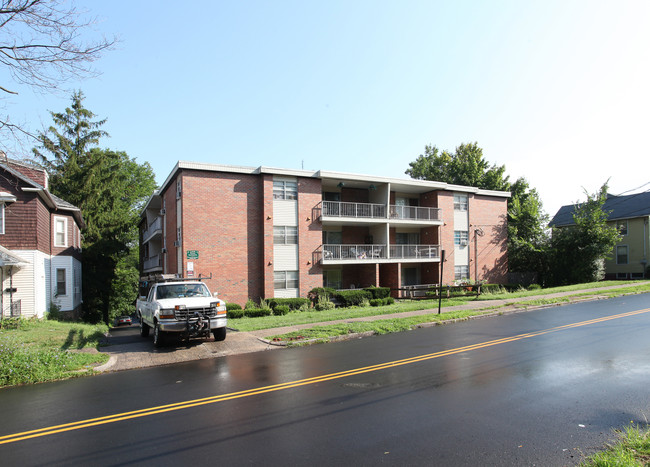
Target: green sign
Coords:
[[192, 254]]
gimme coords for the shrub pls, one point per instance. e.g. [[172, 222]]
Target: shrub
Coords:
[[304, 307], [280, 310], [257, 312], [534, 287], [292, 303], [378, 292], [235, 313], [55, 312], [324, 304], [353, 297], [250, 305], [389, 301], [233, 306], [376, 302], [317, 292]]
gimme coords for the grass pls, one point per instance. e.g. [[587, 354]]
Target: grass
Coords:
[[322, 333], [35, 351], [384, 326], [632, 448]]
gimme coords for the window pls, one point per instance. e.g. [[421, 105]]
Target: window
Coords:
[[332, 278], [403, 238], [60, 231], [461, 272], [621, 226], [621, 254], [285, 235], [2, 218], [332, 238], [285, 190], [60, 282], [285, 280], [460, 202], [461, 237]]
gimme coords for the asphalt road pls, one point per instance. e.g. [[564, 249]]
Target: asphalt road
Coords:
[[536, 388]]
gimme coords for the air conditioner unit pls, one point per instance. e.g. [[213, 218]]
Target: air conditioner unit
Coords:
[[162, 212], [463, 243], [177, 243], [164, 250]]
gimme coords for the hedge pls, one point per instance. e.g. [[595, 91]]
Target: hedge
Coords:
[[353, 297], [257, 312], [280, 310], [378, 292], [235, 314], [292, 303], [233, 306]]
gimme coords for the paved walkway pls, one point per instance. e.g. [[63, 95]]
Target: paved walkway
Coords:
[[127, 350]]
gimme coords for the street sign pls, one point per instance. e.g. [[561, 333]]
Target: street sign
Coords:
[[192, 254]]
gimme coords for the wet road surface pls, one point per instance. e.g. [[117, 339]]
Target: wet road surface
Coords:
[[536, 388]]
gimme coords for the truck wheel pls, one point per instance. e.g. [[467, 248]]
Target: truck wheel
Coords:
[[219, 334], [144, 328], [158, 336]]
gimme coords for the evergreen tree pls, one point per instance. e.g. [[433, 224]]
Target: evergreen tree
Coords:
[[109, 188]]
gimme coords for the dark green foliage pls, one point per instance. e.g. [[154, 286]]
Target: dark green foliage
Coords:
[[280, 310], [317, 292], [292, 303], [257, 312], [534, 287], [353, 297], [579, 250], [376, 302], [389, 301], [235, 313], [110, 188], [233, 306], [378, 292]]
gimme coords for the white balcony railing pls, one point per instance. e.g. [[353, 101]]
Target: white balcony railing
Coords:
[[379, 211], [370, 253], [153, 262], [415, 251], [416, 213], [362, 210]]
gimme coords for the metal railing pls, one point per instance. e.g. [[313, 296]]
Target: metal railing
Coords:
[[373, 252], [415, 213], [378, 211], [415, 251], [153, 262], [363, 210], [153, 227]]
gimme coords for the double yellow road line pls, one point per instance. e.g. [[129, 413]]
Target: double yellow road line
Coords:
[[292, 384]]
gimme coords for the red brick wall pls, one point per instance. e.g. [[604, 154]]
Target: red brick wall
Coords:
[[354, 195], [354, 235], [223, 221], [310, 235], [490, 215], [359, 275]]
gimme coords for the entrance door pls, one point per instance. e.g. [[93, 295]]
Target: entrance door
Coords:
[[410, 276]]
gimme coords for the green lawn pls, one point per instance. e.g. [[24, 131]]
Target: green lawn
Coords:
[[34, 351], [632, 448], [296, 318]]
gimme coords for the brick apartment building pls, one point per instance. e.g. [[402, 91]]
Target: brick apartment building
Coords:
[[265, 232]]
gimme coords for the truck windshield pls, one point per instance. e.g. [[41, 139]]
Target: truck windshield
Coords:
[[182, 290]]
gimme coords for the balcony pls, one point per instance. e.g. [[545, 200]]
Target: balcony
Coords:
[[152, 263], [341, 254], [154, 229], [371, 211]]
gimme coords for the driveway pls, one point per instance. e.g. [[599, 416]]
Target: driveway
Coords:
[[127, 349]]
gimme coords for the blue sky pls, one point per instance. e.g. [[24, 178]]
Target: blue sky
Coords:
[[558, 91]]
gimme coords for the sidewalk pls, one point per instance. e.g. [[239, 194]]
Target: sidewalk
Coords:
[[137, 352]]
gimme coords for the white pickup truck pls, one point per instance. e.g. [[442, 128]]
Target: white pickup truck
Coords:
[[184, 308]]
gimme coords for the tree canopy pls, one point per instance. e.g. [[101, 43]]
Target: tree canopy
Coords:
[[109, 187], [42, 48], [466, 166]]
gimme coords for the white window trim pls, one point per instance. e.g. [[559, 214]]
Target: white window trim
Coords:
[[65, 282], [627, 226], [461, 202], [64, 220]]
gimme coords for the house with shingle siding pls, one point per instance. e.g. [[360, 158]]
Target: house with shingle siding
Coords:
[[40, 244]]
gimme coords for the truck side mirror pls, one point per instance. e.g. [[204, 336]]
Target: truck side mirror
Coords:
[[215, 294]]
